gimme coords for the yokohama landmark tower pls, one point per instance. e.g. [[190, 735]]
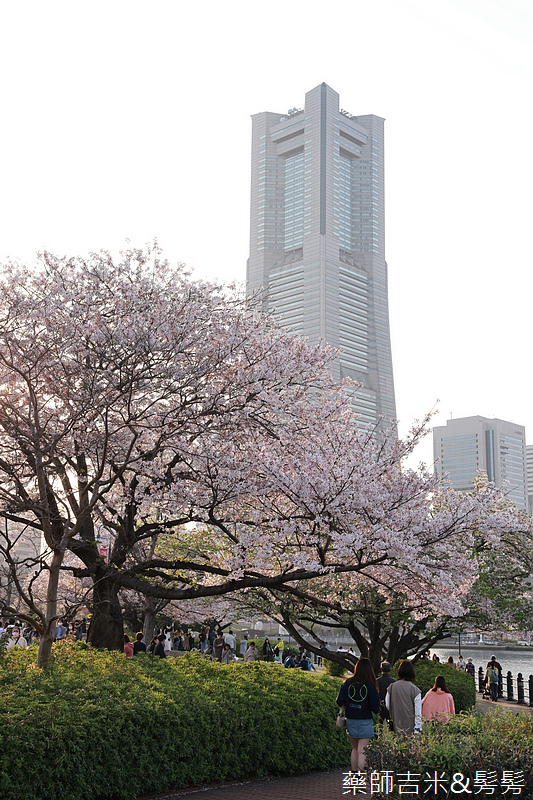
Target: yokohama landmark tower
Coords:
[[317, 237]]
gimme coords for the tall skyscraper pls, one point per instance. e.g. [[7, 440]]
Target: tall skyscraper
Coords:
[[317, 237], [464, 446], [529, 476]]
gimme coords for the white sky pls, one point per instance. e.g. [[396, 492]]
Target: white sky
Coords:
[[132, 120]]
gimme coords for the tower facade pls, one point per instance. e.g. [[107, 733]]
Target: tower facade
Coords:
[[464, 446], [317, 238], [529, 476]]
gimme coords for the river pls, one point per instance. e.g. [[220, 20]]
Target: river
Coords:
[[515, 661]]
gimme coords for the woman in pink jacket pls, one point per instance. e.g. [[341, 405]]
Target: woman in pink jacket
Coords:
[[438, 702]]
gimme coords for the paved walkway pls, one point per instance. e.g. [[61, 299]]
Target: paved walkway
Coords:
[[484, 706], [308, 786]]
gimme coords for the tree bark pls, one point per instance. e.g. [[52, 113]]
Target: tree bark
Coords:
[[48, 635], [149, 620], [106, 628]]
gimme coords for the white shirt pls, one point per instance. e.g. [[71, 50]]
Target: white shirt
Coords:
[[18, 641]]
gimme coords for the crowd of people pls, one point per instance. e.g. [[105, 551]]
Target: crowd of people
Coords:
[[24, 635], [217, 646], [465, 666], [214, 644], [211, 642], [493, 674]]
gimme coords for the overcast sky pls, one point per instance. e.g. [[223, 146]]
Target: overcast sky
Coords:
[[132, 120]]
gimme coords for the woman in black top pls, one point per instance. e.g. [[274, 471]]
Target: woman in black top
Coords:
[[360, 697], [267, 650]]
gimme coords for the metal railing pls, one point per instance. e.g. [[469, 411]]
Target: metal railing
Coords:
[[515, 690]]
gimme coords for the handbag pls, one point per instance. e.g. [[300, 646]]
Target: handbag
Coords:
[[341, 721]]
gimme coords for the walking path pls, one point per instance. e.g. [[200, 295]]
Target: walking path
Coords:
[[484, 706], [307, 786]]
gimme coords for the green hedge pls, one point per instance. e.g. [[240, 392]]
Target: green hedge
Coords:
[[466, 743], [461, 685], [335, 669], [100, 725]]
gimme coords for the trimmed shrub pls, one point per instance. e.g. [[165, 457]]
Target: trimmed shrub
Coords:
[[466, 743], [99, 725], [334, 669]]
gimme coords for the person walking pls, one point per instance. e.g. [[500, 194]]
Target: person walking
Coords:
[[61, 631], [280, 648], [493, 663], [492, 677], [16, 639], [218, 644], [470, 668], [159, 649], [384, 681], [81, 630], [252, 653], [243, 646], [230, 639], [404, 701], [268, 653], [227, 654], [359, 697], [438, 702]]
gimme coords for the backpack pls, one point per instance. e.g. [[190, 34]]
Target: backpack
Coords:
[[494, 674]]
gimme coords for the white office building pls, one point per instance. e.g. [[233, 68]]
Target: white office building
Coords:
[[465, 446], [317, 237]]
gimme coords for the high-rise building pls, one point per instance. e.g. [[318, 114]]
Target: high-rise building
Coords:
[[317, 237], [529, 475], [465, 446]]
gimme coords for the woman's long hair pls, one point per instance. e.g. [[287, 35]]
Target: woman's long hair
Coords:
[[363, 673], [440, 683]]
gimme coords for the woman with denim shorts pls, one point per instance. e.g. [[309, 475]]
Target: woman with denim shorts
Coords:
[[360, 698]]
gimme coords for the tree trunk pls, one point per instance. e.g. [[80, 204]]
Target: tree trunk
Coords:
[[106, 628], [149, 622], [48, 635]]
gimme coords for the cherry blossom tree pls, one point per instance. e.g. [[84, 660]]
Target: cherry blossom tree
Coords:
[[397, 614], [113, 375], [137, 403], [382, 626]]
